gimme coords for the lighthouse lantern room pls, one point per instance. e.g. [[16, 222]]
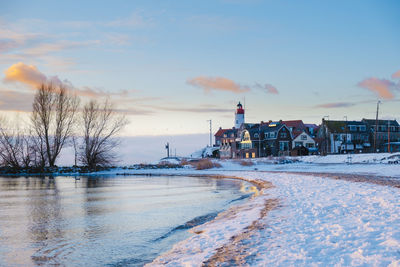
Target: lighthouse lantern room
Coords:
[[239, 116]]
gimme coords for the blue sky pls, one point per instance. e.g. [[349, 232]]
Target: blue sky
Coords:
[[172, 65]]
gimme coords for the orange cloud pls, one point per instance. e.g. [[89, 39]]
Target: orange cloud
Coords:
[[396, 75], [31, 76], [217, 83], [26, 74], [382, 87]]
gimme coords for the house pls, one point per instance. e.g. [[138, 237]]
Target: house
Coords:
[[219, 136], [262, 140], [304, 139], [312, 129], [387, 135], [303, 134], [247, 141], [343, 137], [225, 139], [277, 139]]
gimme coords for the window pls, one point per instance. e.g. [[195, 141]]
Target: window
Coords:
[[283, 135], [256, 135], [253, 155], [272, 134], [296, 144], [353, 128], [303, 137], [283, 145], [362, 128], [309, 145], [247, 155]]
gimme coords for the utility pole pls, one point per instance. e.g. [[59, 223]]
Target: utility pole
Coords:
[[388, 136], [210, 121], [326, 134], [346, 133], [376, 124], [259, 140]]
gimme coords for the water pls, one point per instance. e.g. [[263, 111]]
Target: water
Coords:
[[109, 221]]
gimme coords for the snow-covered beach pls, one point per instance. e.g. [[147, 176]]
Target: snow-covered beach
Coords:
[[299, 218]]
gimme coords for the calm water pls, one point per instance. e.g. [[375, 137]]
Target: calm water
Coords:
[[114, 221]]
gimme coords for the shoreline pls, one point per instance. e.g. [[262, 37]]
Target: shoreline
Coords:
[[240, 239]]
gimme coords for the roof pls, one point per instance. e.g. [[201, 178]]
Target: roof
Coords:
[[342, 126], [220, 132], [311, 125], [295, 135], [372, 122], [298, 124]]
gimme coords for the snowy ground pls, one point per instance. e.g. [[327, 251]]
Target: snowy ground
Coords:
[[316, 221]]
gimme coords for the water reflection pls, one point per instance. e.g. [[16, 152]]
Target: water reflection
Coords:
[[103, 220]]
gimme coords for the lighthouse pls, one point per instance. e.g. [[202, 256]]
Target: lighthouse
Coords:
[[239, 116]]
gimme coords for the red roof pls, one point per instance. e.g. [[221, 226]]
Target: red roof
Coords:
[[298, 124], [220, 132]]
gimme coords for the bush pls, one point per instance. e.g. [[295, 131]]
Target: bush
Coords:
[[204, 164], [246, 163]]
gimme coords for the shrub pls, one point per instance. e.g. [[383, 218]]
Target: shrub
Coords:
[[246, 163], [204, 164]]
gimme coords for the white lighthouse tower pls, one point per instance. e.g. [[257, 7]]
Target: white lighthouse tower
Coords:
[[239, 116]]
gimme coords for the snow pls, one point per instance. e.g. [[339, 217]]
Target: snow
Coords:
[[318, 222], [204, 152]]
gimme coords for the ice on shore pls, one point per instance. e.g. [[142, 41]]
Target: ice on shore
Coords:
[[320, 221]]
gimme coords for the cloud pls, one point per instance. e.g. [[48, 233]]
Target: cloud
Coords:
[[26, 74], [382, 87], [336, 105], [31, 76], [396, 75], [197, 110], [268, 88], [224, 84], [217, 83]]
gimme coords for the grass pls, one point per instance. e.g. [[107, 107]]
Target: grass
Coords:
[[204, 164]]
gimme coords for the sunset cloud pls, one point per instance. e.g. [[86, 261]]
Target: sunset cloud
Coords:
[[218, 84], [25, 74], [224, 84], [336, 105], [32, 77], [396, 75], [382, 87]]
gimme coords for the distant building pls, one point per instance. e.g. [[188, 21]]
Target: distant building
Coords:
[[387, 135], [337, 137], [303, 134], [225, 139]]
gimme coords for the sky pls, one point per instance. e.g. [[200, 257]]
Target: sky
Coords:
[[172, 65]]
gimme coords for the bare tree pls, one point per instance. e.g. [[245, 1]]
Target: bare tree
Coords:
[[16, 146], [53, 117], [100, 125]]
